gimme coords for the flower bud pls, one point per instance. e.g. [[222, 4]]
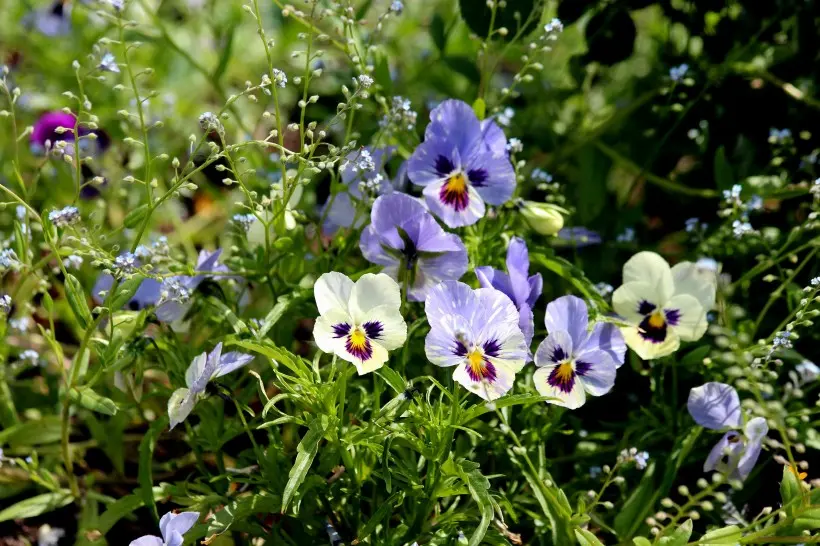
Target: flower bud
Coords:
[[544, 218]]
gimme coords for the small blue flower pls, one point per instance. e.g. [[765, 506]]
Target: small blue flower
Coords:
[[677, 73], [126, 264], [742, 227], [244, 221], [627, 236], [108, 63], [63, 217]]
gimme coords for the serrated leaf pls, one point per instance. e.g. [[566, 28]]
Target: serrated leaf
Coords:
[[585, 538], [306, 452], [35, 506], [724, 175], [76, 300], [87, 398], [724, 535]]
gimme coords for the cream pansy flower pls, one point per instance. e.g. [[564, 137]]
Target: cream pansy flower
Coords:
[[664, 305], [359, 322]]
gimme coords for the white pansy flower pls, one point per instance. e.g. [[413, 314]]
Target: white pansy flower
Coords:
[[203, 368], [359, 322], [665, 305]]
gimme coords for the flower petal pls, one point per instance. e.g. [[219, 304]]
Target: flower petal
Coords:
[[715, 406], [500, 381], [647, 348], [685, 314], [177, 523], [634, 300], [147, 540], [432, 161], [370, 291], [697, 281], [180, 405], [372, 245], [385, 325], [596, 370], [447, 342], [232, 361], [327, 331], [451, 298], [196, 371], [729, 446], [332, 291], [377, 359], [455, 121], [518, 266], [493, 177], [568, 313], [573, 398], [555, 349], [454, 214], [651, 268], [606, 337]]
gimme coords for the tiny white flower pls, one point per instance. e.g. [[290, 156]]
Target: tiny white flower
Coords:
[[359, 322], [665, 305], [809, 371], [49, 536]]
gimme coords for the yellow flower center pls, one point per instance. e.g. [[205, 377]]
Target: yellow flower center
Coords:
[[563, 374], [476, 361], [457, 183], [358, 339], [656, 320]]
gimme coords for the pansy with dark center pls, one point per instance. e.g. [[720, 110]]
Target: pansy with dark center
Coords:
[[516, 283], [573, 361], [414, 250], [461, 164], [359, 322], [665, 305], [477, 333]]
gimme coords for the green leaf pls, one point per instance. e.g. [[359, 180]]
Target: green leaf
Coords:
[[393, 378], [136, 216], [695, 357], [382, 75], [480, 108], [437, 32], [38, 505], [240, 510], [512, 400], [479, 487], [47, 430], [573, 275], [790, 491], [382, 513], [478, 17], [464, 66], [641, 541], [585, 538], [76, 300], [724, 535], [724, 176], [277, 354], [146, 471], [807, 521], [306, 451], [273, 316], [89, 399], [592, 183], [680, 536], [118, 510], [125, 291], [227, 50]]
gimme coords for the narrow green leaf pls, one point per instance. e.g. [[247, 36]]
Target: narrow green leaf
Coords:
[[273, 316], [306, 452], [382, 513], [76, 300], [724, 535], [36, 506], [44, 431], [277, 354], [480, 108], [136, 216], [227, 50], [724, 175], [512, 400], [641, 541], [790, 491], [146, 471], [438, 33], [118, 510], [240, 510], [680, 536], [585, 538], [87, 398], [808, 520], [393, 378], [464, 66], [479, 487], [125, 291]]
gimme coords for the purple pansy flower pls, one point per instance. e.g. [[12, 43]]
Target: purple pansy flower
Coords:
[[716, 406], [53, 20], [577, 237], [203, 368], [477, 332], [412, 247], [364, 167], [517, 284], [461, 164], [573, 361], [172, 527]]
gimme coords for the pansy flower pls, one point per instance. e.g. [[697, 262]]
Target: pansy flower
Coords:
[[359, 322], [53, 20], [172, 527], [477, 332], [516, 284], [203, 368], [665, 305], [412, 247], [716, 406], [460, 165], [362, 168], [574, 361]]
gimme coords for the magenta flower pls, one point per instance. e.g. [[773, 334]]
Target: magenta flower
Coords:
[[475, 331], [461, 164], [412, 247], [516, 284]]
